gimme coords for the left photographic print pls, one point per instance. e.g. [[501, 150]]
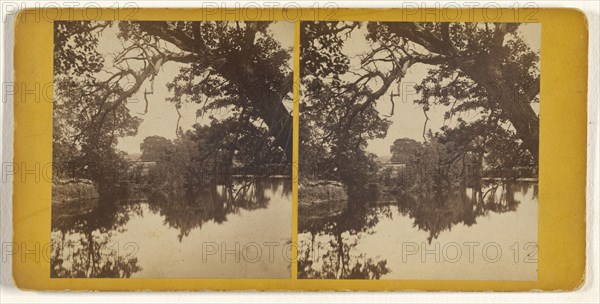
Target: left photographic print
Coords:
[[172, 149]]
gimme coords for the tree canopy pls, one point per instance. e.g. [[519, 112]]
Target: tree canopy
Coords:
[[234, 66], [483, 68], [154, 147], [403, 148]]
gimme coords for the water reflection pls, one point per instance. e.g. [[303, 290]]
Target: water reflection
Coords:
[[85, 234], [439, 211], [191, 209], [81, 244], [339, 234], [333, 247]]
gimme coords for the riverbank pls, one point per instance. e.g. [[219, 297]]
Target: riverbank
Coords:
[[69, 190], [311, 192], [321, 198]]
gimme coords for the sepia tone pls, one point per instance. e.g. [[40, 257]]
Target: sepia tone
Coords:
[[418, 152], [172, 147]]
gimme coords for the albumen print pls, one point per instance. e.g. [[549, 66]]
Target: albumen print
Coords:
[[418, 150], [172, 149]]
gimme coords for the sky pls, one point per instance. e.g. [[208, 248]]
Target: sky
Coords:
[[161, 118]]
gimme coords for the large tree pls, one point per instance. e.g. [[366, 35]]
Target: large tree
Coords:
[[482, 67], [236, 66]]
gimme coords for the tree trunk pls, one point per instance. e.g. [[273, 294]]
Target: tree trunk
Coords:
[[268, 103], [486, 71], [280, 127], [488, 74], [237, 68]]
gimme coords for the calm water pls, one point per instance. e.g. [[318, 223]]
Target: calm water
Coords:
[[488, 233], [242, 231]]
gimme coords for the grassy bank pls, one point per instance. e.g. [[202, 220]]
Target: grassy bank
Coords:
[[320, 191], [320, 198], [68, 190]]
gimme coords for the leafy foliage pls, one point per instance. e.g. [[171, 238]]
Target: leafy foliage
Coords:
[[75, 45], [235, 67], [338, 117], [84, 137], [473, 68], [403, 148], [154, 147]]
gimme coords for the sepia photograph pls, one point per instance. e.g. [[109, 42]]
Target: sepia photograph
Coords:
[[418, 151], [172, 149], [321, 153]]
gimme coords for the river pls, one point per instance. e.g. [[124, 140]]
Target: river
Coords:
[[241, 231], [463, 234]]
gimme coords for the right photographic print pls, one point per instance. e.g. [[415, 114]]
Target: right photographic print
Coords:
[[418, 150]]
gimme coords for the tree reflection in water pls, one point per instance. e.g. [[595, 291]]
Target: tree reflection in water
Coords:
[[339, 258], [80, 239], [188, 210], [439, 211], [82, 230]]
